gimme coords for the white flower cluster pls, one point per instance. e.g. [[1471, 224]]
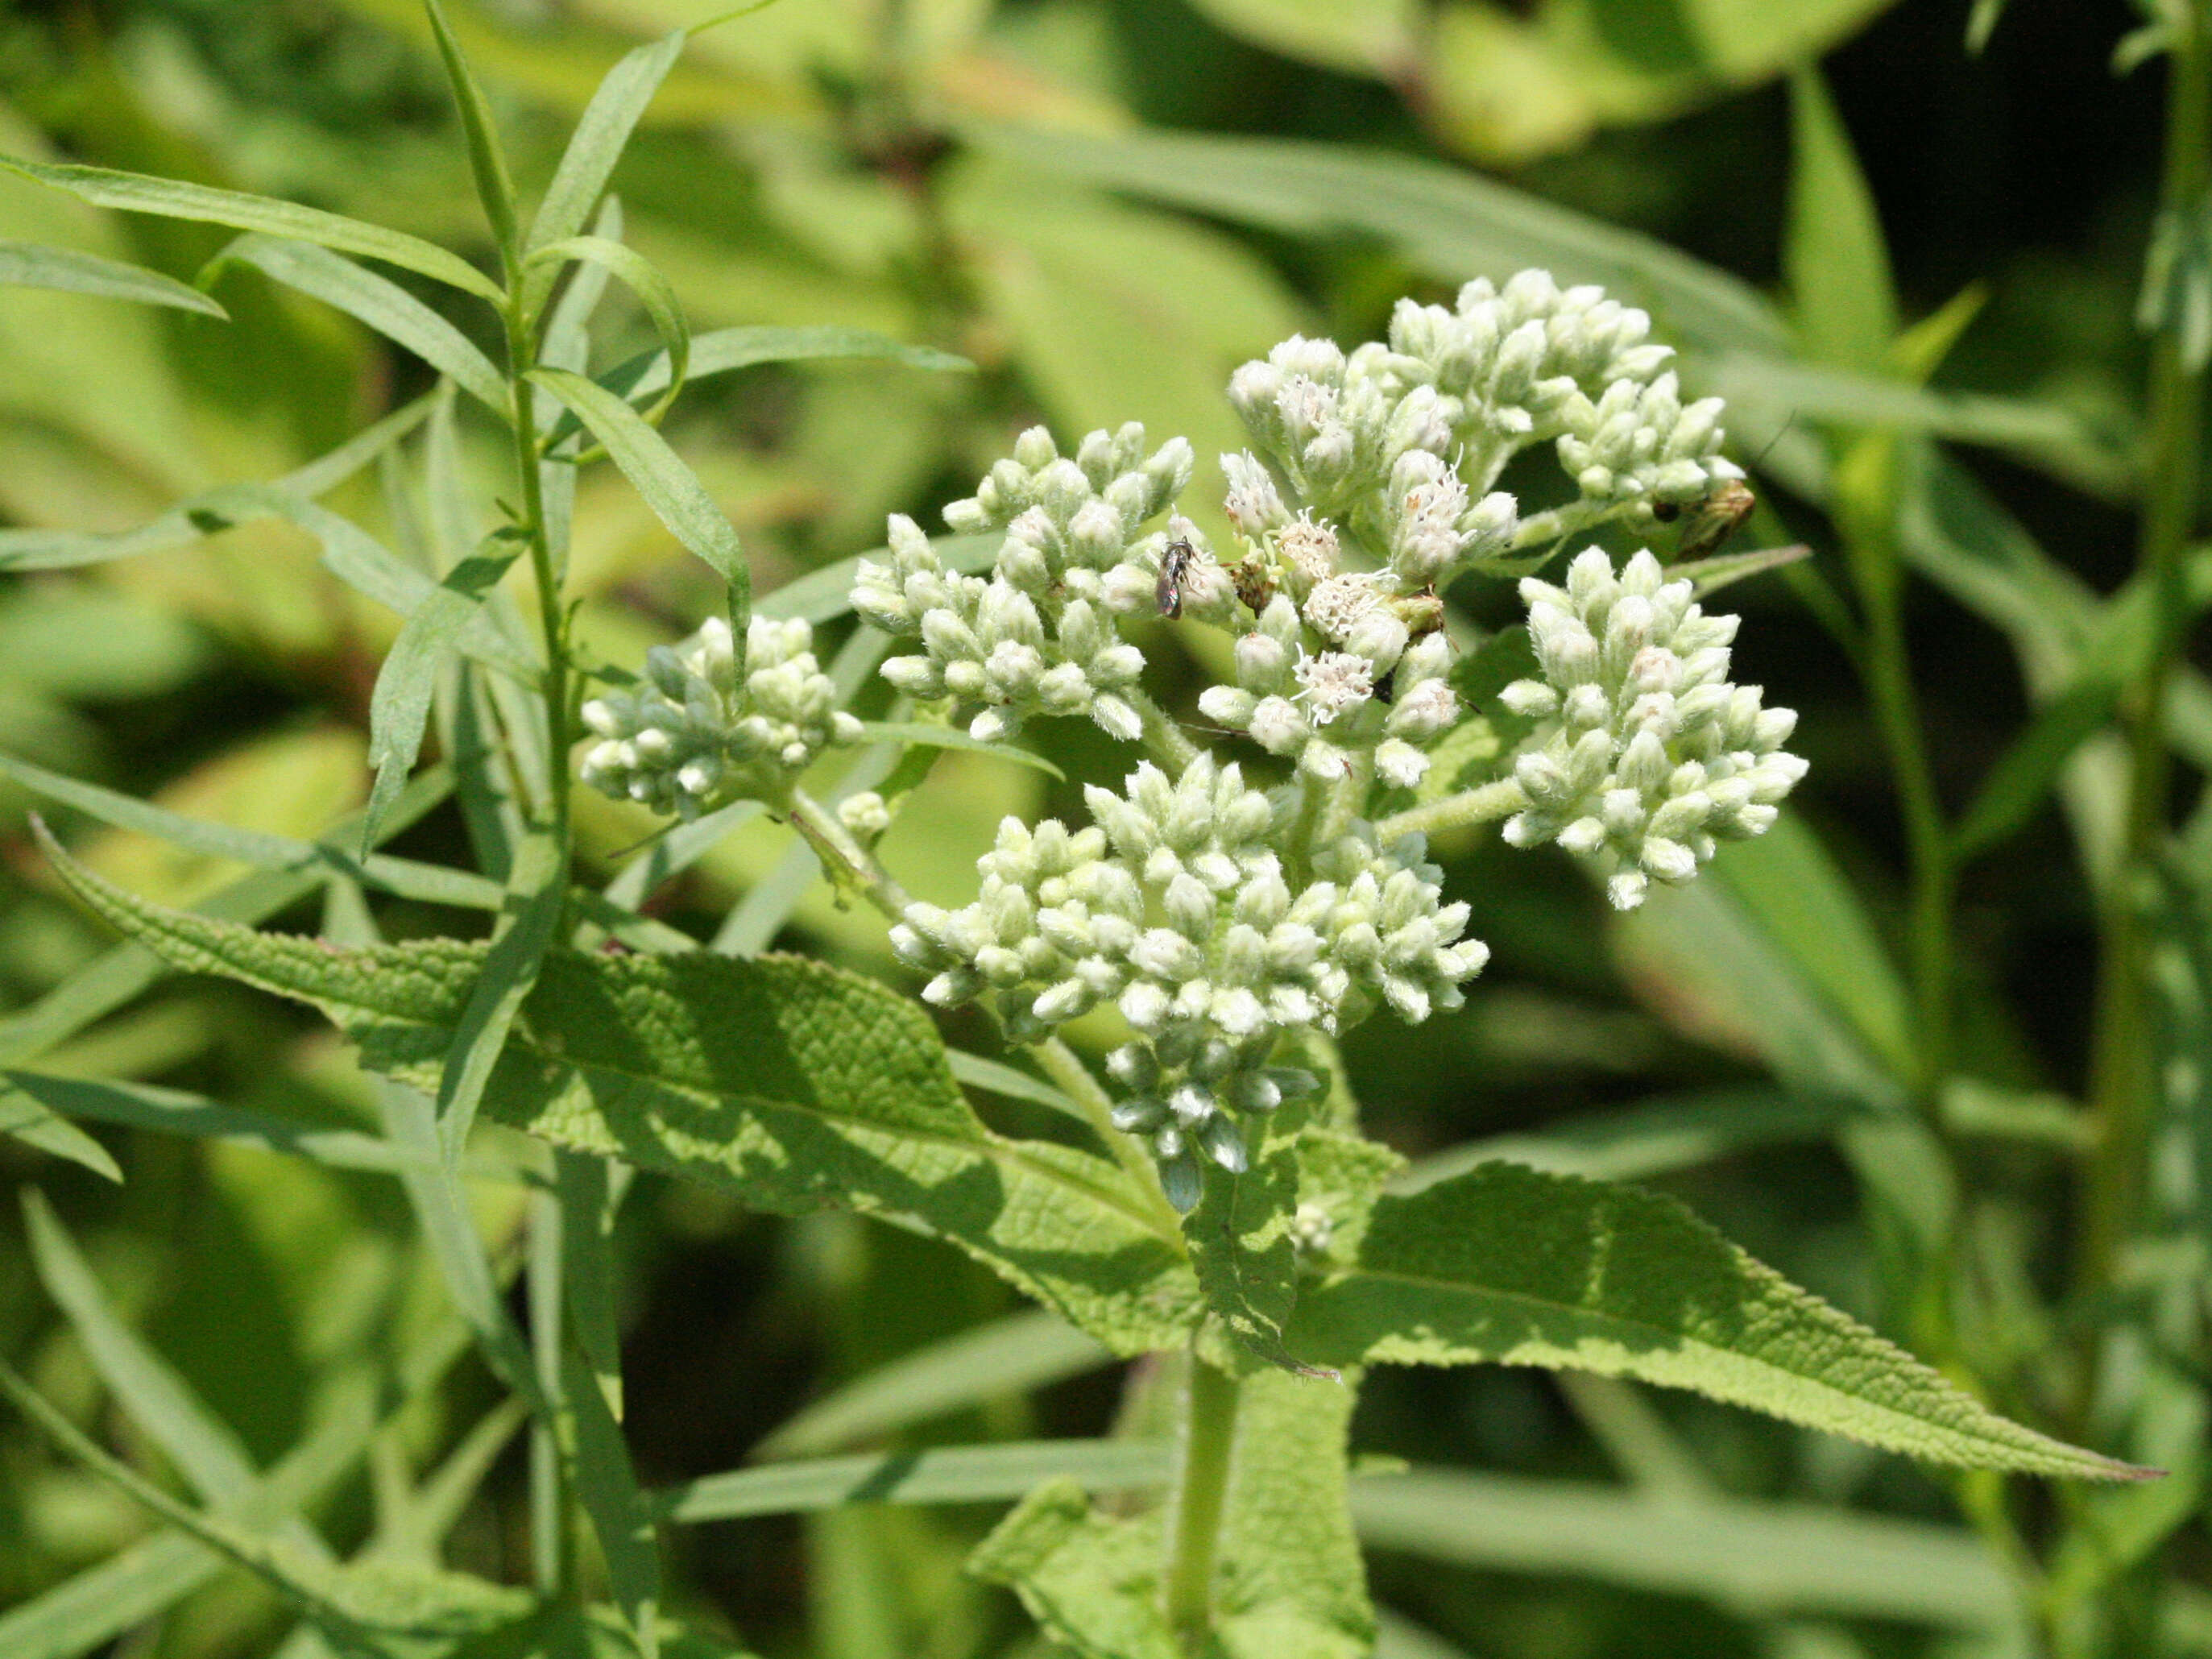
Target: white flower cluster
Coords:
[[1653, 756], [1038, 636], [1370, 688], [703, 728], [1176, 908]]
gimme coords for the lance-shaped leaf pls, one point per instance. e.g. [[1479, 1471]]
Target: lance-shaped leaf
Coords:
[[792, 1083], [36, 1124], [654, 291], [1504, 1265], [172, 198], [27, 264], [487, 160], [670, 487], [378, 301], [602, 133], [1289, 1579]]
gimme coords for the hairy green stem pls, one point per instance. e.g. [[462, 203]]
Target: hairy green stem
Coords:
[[842, 855], [1202, 1491], [1170, 744], [1484, 804], [2122, 1072]]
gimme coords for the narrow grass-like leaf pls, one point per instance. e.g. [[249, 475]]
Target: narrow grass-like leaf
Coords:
[[997, 1078], [399, 708], [112, 979], [642, 278], [946, 737], [602, 133], [173, 1111], [587, 1215], [527, 930], [1655, 1136], [1007, 1356], [1786, 1557], [954, 1474], [1708, 576], [377, 301], [724, 351], [27, 265], [487, 160], [434, 1508], [791, 1083], [172, 198], [1837, 259], [2024, 773], [205, 513], [1504, 1265], [203, 1448], [620, 1513], [37, 1125], [372, 1596], [823, 595], [670, 487]]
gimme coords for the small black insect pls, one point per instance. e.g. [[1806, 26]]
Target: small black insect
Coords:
[[1173, 563]]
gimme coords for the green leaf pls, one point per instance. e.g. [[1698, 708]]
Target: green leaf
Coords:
[[432, 884], [950, 1474], [640, 276], [724, 351], [1655, 1136], [173, 1111], [399, 708], [946, 737], [357, 1599], [601, 134], [996, 1078], [670, 487], [1837, 260], [1450, 223], [37, 1125], [2015, 787], [1504, 1265], [1289, 1579], [377, 301], [1004, 1359], [172, 198], [207, 513], [1241, 1246], [1737, 1552], [487, 160], [587, 1269], [27, 265], [1709, 576], [621, 1515], [1982, 24], [823, 595], [203, 1448], [790, 1083]]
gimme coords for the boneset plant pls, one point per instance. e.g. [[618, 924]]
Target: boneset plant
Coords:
[[1234, 907]]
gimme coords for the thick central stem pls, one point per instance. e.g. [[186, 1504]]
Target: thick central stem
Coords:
[[2122, 1082], [552, 622], [1209, 1439]]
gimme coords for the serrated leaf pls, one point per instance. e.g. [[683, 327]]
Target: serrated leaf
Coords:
[[27, 265], [1007, 1358], [670, 487], [205, 513], [1289, 1579], [37, 1125], [940, 1475], [399, 708], [1503, 1265], [1240, 1247], [379, 303], [789, 1082], [172, 198]]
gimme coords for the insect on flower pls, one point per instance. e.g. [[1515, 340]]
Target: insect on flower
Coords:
[[1712, 519], [1173, 563]]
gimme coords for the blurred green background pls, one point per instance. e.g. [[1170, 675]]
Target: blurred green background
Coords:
[[974, 175]]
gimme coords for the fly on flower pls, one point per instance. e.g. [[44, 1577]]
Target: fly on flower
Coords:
[[1712, 519], [1173, 562]]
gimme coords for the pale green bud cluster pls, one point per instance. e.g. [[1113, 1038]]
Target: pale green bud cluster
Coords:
[[1036, 636], [1653, 755], [1175, 907], [703, 729]]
